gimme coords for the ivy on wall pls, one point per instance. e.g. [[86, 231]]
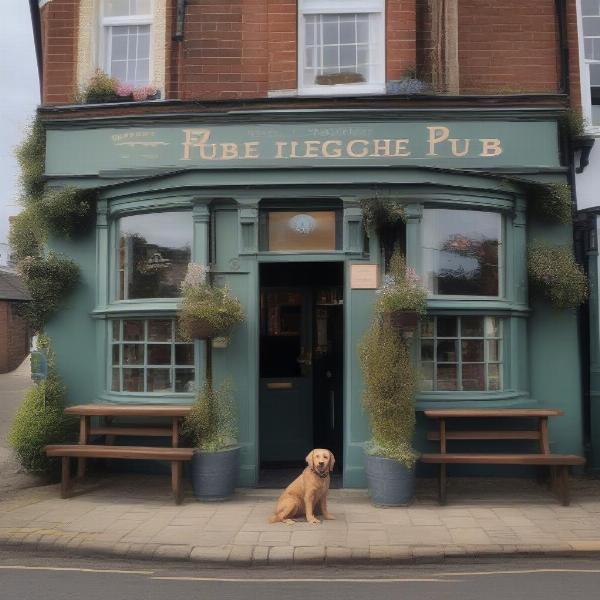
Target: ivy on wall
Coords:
[[50, 277], [551, 203]]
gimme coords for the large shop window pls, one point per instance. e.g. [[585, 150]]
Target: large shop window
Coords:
[[590, 14], [154, 251], [126, 40], [341, 46], [149, 357], [462, 252], [461, 353]]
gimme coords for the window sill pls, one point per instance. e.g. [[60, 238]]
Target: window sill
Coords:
[[158, 306], [342, 90], [480, 304], [145, 398], [507, 398]]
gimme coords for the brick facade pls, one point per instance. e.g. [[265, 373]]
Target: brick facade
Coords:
[[14, 337], [248, 49]]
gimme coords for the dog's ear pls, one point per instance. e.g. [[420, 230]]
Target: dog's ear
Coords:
[[309, 459], [331, 461]]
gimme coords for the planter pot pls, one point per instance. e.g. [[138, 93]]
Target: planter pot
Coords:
[[215, 474], [390, 482], [401, 320]]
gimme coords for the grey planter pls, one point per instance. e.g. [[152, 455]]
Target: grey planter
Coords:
[[390, 482], [215, 474]]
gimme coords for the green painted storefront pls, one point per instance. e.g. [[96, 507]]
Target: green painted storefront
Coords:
[[227, 170]]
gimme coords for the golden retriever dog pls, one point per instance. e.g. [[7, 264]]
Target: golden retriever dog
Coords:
[[307, 494]]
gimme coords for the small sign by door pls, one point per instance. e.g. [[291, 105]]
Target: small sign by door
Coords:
[[363, 277]]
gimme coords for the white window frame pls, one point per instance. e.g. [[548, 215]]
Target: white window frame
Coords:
[[376, 34], [586, 93], [104, 48]]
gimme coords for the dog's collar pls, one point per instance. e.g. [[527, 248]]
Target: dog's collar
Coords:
[[319, 474]]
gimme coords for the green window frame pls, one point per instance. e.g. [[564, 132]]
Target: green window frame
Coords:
[[147, 351], [443, 350]]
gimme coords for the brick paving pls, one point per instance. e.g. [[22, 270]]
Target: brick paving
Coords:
[[133, 516]]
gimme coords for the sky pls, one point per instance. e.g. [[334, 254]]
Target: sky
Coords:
[[18, 72]]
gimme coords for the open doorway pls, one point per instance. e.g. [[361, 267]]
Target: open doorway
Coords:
[[301, 365]]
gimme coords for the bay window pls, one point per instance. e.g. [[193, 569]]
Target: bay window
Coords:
[[341, 46], [590, 55]]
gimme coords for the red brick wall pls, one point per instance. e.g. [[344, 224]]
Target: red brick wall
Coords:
[[508, 46], [14, 337], [573, 39], [401, 34], [59, 20]]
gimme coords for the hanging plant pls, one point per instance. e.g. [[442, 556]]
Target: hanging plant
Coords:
[[551, 203], [555, 276], [49, 279], [573, 123], [68, 211], [380, 213], [389, 394], [206, 311], [26, 234]]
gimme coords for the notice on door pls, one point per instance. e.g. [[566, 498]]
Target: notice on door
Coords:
[[363, 277]]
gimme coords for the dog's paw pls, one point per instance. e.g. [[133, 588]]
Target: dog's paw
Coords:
[[329, 517], [314, 521]]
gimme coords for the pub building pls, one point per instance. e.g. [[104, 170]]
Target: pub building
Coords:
[[255, 160]]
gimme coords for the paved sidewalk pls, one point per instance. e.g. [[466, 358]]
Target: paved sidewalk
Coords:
[[133, 516]]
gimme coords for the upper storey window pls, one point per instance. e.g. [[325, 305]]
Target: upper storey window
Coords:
[[590, 13], [126, 37], [340, 46]]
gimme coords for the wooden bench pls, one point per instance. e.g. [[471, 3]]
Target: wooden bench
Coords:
[[559, 463], [175, 455]]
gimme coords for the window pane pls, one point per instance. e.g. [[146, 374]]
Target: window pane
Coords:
[[591, 26], [590, 7], [159, 354], [116, 330], [472, 351], [160, 380], [184, 380], [119, 44], [133, 380], [447, 326], [461, 251], [595, 74], [155, 250], [446, 351], [330, 59], [116, 380], [160, 330], [427, 376], [493, 350], [492, 327], [133, 354], [330, 29], [133, 331], [471, 326], [447, 377], [494, 378], [427, 327], [184, 354], [290, 230], [115, 354], [116, 8], [473, 377], [427, 350]]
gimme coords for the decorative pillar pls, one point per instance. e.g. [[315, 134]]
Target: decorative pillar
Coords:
[[414, 216], [353, 232]]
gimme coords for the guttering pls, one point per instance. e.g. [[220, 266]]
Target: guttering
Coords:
[[563, 45], [34, 9]]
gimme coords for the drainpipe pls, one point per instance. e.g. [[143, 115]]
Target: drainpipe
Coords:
[[34, 9], [563, 45]]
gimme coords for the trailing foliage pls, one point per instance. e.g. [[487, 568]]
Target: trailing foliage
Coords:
[[31, 156], [389, 394], [49, 280], [40, 420], [551, 203], [401, 289], [555, 276], [26, 234], [206, 304], [103, 88], [212, 423], [67, 211], [573, 123], [379, 213]]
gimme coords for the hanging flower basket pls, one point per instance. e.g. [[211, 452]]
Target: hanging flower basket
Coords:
[[199, 329], [401, 321]]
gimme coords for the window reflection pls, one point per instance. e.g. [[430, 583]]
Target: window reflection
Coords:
[[154, 251], [301, 231], [461, 251]]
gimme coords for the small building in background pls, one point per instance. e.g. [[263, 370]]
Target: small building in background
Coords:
[[14, 331]]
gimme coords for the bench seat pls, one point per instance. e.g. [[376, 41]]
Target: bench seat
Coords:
[[175, 456], [503, 459]]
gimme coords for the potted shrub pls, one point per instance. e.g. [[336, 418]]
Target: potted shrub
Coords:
[[212, 429], [401, 299], [207, 311], [389, 401]]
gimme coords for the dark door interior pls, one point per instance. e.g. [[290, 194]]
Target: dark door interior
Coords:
[[301, 361]]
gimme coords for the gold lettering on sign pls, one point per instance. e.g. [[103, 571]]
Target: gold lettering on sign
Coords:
[[312, 149], [401, 149], [194, 138], [381, 148], [280, 147], [337, 149], [491, 147], [251, 150], [229, 151], [437, 135], [465, 148], [360, 154]]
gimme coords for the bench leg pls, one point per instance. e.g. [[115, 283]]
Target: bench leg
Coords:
[[562, 482], [442, 484], [176, 481], [65, 481]]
